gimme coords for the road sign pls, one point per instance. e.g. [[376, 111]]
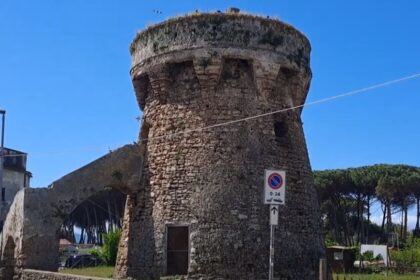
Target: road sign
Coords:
[[275, 187], [274, 215]]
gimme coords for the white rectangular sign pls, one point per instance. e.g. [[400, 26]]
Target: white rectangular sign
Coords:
[[275, 187], [274, 215], [377, 250]]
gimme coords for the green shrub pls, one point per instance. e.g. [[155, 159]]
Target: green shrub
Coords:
[[367, 256], [329, 242], [108, 252], [110, 248], [96, 252], [407, 259]]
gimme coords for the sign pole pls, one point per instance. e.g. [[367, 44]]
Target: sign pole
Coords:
[[271, 269], [274, 220], [274, 195]]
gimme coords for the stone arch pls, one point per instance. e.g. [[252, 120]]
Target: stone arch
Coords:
[[95, 216], [8, 259], [9, 251], [143, 88], [45, 209]]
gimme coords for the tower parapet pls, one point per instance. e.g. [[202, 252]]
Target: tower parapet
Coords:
[[276, 52], [199, 208]]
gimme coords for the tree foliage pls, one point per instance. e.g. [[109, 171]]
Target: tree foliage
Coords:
[[408, 259], [346, 197], [110, 247], [108, 252], [97, 215]]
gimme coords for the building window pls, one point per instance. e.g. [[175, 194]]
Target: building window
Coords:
[[3, 194], [177, 250]]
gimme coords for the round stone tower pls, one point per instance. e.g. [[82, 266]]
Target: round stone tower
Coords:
[[198, 208]]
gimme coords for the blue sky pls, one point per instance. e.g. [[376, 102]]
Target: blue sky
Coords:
[[64, 77]]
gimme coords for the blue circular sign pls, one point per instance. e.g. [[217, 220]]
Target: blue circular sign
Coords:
[[275, 181]]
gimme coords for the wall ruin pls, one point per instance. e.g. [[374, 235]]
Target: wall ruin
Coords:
[[36, 215]]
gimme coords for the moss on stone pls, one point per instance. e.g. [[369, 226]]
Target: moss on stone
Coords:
[[271, 38], [205, 20]]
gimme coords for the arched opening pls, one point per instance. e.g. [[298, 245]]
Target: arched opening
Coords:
[[144, 132], [9, 259], [86, 231], [91, 198], [143, 89]]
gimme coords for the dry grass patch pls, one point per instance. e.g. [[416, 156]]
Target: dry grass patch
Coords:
[[98, 271]]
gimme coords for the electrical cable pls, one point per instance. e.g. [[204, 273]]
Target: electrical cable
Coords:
[[311, 103], [319, 101]]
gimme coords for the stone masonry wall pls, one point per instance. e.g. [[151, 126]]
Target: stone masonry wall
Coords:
[[13, 226], [211, 180], [36, 215]]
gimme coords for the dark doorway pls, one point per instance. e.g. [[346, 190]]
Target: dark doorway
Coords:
[[177, 250]]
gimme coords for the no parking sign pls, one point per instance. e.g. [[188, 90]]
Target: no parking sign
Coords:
[[275, 187]]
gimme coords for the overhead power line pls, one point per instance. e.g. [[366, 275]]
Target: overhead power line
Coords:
[[311, 103], [319, 101]]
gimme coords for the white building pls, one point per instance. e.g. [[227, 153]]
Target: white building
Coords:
[[15, 178]]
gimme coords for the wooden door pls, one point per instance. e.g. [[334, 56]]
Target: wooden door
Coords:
[[177, 257]]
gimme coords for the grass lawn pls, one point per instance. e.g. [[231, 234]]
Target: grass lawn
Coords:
[[106, 271], [102, 271], [98, 271], [376, 277]]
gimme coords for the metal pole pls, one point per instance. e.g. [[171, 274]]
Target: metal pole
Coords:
[[271, 268], [3, 112]]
